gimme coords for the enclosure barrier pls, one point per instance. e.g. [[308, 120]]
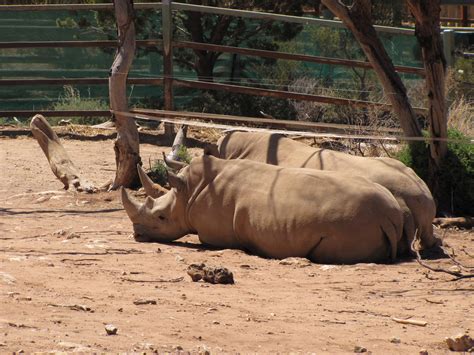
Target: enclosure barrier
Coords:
[[167, 44]]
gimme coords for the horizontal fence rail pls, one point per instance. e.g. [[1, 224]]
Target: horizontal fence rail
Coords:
[[210, 47], [203, 9], [77, 81], [271, 122], [170, 119]]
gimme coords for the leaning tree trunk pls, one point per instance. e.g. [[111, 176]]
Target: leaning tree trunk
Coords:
[[428, 33], [126, 147], [59, 161], [358, 20]]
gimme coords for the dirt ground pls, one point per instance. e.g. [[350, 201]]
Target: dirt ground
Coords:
[[69, 266]]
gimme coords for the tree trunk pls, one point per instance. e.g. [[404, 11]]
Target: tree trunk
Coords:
[[358, 20], [126, 147], [428, 33]]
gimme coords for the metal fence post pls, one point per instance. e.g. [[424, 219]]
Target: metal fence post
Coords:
[[167, 29], [448, 47]]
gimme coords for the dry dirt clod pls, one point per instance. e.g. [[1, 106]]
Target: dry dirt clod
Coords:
[[395, 340], [111, 329], [213, 275], [423, 352], [460, 342], [359, 349]]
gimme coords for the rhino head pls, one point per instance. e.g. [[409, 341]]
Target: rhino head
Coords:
[[161, 219]]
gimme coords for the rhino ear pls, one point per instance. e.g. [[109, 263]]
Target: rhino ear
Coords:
[[211, 149], [175, 181]]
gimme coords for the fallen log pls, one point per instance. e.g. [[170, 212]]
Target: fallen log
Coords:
[[459, 222], [58, 159]]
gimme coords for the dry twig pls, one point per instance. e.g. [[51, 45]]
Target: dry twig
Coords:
[[458, 274]]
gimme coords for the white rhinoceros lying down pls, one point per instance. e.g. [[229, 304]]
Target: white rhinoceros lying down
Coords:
[[273, 211], [411, 192]]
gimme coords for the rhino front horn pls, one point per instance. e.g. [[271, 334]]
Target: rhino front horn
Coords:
[[131, 206], [151, 189], [173, 164]]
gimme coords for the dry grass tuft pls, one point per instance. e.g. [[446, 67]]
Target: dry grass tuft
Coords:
[[461, 116]]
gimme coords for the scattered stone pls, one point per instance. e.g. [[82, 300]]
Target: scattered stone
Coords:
[[179, 258], [359, 349], [213, 275], [7, 278], [111, 329], [71, 346], [64, 122], [395, 340], [423, 352], [460, 342], [144, 301], [328, 267], [298, 262], [203, 350], [72, 235], [215, 322]]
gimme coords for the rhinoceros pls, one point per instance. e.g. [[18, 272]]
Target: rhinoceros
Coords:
[[273, 211], [411, 192]]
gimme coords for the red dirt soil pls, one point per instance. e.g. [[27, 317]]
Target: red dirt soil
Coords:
[[69, 266]]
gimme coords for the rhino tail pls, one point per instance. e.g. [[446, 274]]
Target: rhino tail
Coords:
[[393, 232], [409, 229]]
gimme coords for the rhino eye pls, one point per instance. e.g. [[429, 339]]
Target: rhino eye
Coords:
[[162, 218]]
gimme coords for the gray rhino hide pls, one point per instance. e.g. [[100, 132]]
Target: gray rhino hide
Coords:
[[411, 192], [277, 212]]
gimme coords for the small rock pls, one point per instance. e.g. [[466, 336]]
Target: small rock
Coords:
[[111, 329], [460, 342], [298, 262], [359, 349], [215, 322], [395, 340], [144, 301], [204, 351], [423, 352], [179, 258]]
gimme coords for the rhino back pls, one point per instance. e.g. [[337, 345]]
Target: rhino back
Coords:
[[402, 181], [279, 212]]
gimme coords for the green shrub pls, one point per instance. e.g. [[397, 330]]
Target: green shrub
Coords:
[[158, 173], [183, 154], [455, 192]]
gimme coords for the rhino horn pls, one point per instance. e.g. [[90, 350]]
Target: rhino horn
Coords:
[[131, 206], [151, 189], [173, 164]]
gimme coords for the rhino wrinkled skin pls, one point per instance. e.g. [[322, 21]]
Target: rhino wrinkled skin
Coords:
[[273, 211], [411, 192]]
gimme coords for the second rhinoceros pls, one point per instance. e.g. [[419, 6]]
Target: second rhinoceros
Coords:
[[411, 192], [273, 212]]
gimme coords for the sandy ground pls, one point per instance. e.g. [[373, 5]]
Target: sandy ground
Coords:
[[69, 266]]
